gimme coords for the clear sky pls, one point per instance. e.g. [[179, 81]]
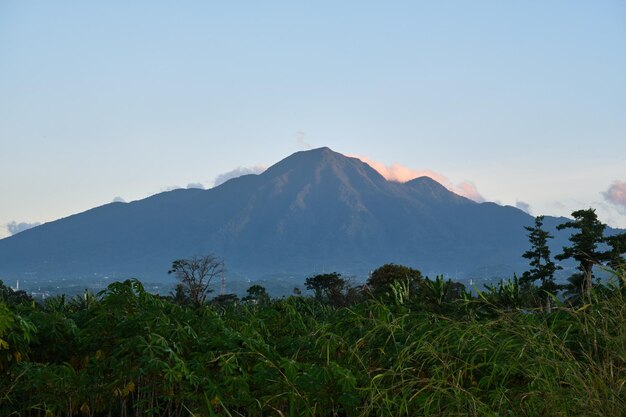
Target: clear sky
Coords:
[[521, 102]]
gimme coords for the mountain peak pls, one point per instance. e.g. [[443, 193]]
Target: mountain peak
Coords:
[[427, 186], [313, 207], [323, 149], [317, 154], [321, 159]]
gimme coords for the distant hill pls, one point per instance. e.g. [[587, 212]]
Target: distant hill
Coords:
[[314, 211]]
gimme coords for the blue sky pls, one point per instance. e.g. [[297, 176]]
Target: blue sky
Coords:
[[524, 101]]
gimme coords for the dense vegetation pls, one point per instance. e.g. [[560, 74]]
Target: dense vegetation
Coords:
[[400, 345], [127, 352]]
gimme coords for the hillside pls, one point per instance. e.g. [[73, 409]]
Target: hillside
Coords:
[[315, 210]]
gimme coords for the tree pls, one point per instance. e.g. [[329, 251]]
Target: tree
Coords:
[[381, 280], [179, 295], [195, 275], [615, 257], [225, 299], [354, 294], [584, 248], [13, 297], [542, 267], [257, 294], [327, 287]]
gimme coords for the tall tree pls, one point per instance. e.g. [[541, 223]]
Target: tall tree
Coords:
[[327, 287], [542, 267], [615, 256], [381, 280], [584, 248], [195, 275], [257, 294]]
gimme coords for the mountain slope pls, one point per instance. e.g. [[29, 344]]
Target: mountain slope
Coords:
[[315, 209]]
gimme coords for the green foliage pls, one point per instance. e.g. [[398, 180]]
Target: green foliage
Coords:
[[225, 299], [327, 287], [587, 251], [16, 335], [128, 352], [438, 293], [382, 279], [507, 294], [584, 248], [542, 267], [615, 256], [11, 297], [256, 294]]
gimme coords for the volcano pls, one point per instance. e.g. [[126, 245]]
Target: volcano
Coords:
[[314, 211]]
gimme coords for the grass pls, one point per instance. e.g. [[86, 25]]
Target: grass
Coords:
[[130, 353]]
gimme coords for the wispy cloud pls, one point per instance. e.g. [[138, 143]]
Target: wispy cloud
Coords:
[[400, 173], [191, 185], [195, 185], [616, 194], [522, 205], [171, 188], [237, 172], [118, 199], [302, 142], [15, 227]]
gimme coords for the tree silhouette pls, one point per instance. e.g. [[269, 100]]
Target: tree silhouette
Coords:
[[615, 257], [225, 299], [327, 287], [542, 267], [195, 275], [381, 280], [13, 297], [257, 294], [584, 248]]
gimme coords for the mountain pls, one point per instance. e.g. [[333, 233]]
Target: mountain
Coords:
[[315, 210]]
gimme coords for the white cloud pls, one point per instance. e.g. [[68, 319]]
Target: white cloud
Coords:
[[302, 142], [237, 172], [523, 206], [15, 227], [172, 188]]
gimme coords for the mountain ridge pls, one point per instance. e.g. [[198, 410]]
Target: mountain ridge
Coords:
[[313, 207]]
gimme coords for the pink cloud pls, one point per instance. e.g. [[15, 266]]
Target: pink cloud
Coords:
[[616, 194], [400, 173], [467, 189]]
